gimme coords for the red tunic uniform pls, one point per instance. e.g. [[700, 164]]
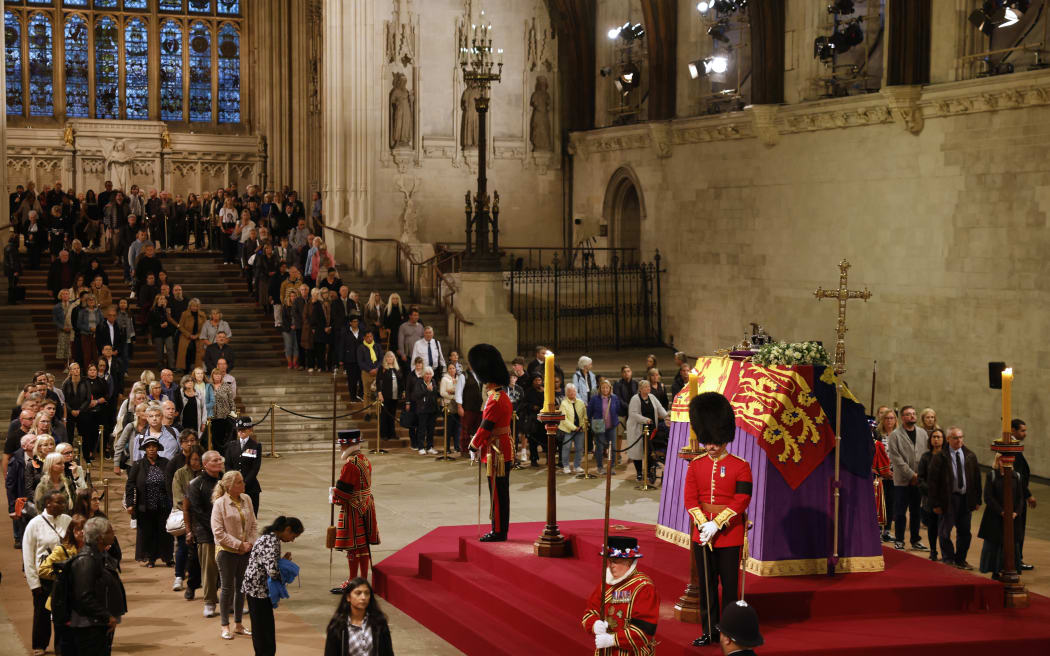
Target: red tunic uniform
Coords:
[[632, 608], [881, 468], [495, 427], [719, 490], [356, 528]]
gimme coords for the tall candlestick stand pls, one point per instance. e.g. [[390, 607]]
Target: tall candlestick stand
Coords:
[[687, 607], [551, 543], [644, 485], [1016, 596]]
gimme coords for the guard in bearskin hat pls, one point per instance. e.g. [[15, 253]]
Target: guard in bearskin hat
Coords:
[[739, 628], [493, 439], [631, 604], [717, 493], [245, 455], [356, 529]]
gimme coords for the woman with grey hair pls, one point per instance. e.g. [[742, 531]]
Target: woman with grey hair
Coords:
[[584, 379], [425, 407], [573, 428], [97, 598], [643, 410]]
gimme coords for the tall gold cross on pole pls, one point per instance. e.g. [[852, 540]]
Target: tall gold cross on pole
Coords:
[[843, 294]]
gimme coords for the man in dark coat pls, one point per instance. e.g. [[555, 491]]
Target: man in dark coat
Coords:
[[1019, 430], [61, 274], [955, 492]]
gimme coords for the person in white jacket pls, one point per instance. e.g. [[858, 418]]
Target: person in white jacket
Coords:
[[447, 390], [40, 537]]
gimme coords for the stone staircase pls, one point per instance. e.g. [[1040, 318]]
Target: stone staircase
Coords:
[[21, 349]]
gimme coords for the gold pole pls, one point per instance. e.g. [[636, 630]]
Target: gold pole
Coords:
[[273, 416], [379, 450], [645, 462], [105, 496], [586, 453], [208, 442], [101, 447], [445, 456]]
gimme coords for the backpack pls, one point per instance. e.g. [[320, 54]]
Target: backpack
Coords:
[[62, 591]]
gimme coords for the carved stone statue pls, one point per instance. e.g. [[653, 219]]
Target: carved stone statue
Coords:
[[409, 216], [67, 135], [118, 162], [540, 123], [400, 112], [468, 133], [165, 139]]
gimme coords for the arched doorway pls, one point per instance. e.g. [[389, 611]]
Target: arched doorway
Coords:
[[624, 210]]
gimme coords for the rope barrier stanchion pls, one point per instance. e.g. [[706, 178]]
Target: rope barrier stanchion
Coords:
[[101, 447], [105, 496], [644, 485], [379, 450], [445, 456], [586, 454], [208, 441], [273, 417]]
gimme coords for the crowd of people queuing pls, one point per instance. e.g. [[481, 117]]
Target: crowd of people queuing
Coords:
[[927, 476]]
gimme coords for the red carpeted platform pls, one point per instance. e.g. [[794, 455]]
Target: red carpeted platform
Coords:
[[498, 598]]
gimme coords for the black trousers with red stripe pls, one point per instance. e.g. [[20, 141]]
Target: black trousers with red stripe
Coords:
[[501, 506]]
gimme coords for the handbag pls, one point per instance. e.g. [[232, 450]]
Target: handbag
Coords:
[[408, 419], [598, 425], [176, 523]]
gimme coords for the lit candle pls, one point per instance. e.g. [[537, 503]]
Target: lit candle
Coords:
[[1008, 379], [548, 382]]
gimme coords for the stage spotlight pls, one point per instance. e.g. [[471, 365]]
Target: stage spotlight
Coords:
[[724, 6], [634, 32], [823, 48], [1011, 18], [841, 7], [718, 31], [703, 6], [708, 65], [990, 16], [853, 34], [628, 79], [614, 32]]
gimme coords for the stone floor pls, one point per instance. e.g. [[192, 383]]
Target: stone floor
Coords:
[[414, 494]]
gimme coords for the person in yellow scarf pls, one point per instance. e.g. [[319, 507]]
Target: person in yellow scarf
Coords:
[[369, 358]]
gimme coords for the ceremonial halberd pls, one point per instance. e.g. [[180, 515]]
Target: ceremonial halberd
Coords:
[[785, 419]]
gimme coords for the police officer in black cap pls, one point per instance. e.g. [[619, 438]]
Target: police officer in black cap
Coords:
[[739, 628], [244, 454]]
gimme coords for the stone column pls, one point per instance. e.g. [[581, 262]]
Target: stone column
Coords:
[[351, 112]]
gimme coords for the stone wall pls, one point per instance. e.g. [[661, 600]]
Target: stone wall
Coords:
[[413, 188], [938, 200]]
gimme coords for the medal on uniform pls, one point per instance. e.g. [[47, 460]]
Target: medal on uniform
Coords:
[[722, 471]]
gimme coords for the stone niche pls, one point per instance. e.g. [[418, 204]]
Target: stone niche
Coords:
[[85, 153]]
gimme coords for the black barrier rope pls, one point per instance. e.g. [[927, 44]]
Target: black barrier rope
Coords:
[[349, 414], [263, 417]]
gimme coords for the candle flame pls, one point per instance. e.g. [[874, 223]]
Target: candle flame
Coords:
[[1009, 371]]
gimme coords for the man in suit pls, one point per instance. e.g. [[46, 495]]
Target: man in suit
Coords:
[[342, 310], [116, 369], [1019, 430], [349, 340], [906, 445], [955, 492], [109, 333], [245, 455]]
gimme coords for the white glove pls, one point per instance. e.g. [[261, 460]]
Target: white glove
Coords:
[[604, 641], [600, 627], [707, 531], [331, 495]]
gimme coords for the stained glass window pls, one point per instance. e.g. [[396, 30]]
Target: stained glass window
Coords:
[[13, 63], [75, 3], [136, 71], [107, 59], [41, 2], [229, 75], [200, 73], [135, 4], [200, 6], [41, 67], [170, 71], [229, 7], [76, 35], [105, 4], [171, 5]]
